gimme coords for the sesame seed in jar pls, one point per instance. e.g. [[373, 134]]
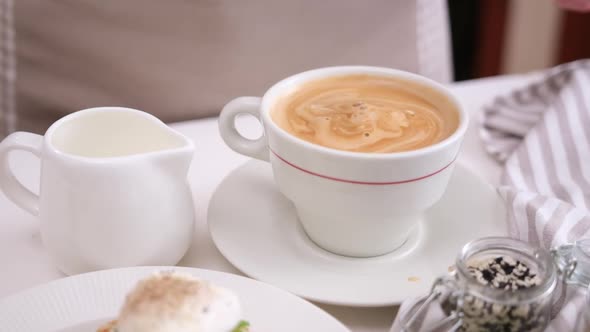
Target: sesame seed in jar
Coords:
[[506, 274]]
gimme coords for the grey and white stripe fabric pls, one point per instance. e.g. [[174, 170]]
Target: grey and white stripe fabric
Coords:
[[541, 134], [7, 69]]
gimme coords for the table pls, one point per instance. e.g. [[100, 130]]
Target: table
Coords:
[[24, 263]]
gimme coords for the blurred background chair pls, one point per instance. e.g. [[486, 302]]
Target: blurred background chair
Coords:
[[183, 60]]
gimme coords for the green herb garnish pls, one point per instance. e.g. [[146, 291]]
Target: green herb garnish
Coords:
[[241, 327]]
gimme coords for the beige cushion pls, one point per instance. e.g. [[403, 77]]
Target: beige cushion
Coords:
[[182, 59]]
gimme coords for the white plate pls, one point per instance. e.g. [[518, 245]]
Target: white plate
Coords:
[[256, 229], [82, 303]]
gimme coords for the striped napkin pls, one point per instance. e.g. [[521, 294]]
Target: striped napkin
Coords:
[[542, 136]]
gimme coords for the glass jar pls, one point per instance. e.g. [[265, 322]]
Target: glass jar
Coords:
[[583, 320], [578, 252], [470, 305]]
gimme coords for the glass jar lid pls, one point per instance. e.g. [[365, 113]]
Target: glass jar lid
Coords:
[[574, 259]]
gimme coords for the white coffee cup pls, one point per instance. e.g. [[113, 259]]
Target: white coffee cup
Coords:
[[349, 203], [113, 189]]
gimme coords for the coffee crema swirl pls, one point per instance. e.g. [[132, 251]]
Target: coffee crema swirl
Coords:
[[365, 113]]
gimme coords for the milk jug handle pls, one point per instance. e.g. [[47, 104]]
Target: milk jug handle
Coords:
[[9, 184]]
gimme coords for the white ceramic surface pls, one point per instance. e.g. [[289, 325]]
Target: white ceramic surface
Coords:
[[350, 203], [113, 190], [81, 303], [262, 237], [25, 262]]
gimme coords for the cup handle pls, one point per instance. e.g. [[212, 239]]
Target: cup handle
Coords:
[[255, 148], [9, 184]]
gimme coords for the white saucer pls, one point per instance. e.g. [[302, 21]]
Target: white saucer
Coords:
[[255, 227]]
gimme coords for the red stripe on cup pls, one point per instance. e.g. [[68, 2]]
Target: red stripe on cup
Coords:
[[363, 182]]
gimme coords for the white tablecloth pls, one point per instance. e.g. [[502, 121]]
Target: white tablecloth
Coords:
[[24, 263]]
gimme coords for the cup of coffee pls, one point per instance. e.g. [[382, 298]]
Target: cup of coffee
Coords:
[[361, 151]]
